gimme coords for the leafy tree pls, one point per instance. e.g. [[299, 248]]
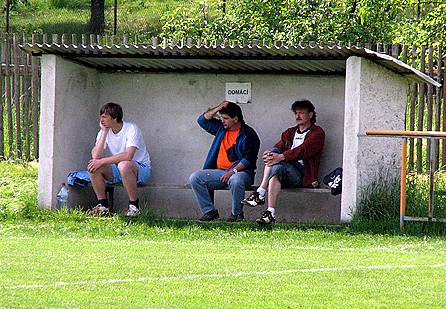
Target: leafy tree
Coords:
[[309, 20]]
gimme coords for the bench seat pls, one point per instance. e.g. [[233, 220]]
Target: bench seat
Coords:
[[177, 201]]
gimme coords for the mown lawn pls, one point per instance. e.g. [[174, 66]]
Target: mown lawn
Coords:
[[59, 259]]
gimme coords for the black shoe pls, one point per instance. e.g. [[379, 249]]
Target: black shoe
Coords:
[[236, 218], [266, 218], [210, 215], [254, 199]]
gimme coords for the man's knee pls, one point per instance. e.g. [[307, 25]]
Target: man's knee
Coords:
[[236, 180], [126, 167], [277, 170], [194, 178], [99, 171]]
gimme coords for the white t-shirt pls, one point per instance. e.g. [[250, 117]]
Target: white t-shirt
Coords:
[[129, 136], [299, 140]]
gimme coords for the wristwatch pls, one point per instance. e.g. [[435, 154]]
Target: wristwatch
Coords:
[[234, 170]]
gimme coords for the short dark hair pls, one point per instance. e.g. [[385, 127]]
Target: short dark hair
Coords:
[[112, 109], [233, 110], [305, 105]]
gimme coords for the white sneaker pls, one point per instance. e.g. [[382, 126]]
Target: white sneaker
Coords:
[[99, 211], [132, 211]]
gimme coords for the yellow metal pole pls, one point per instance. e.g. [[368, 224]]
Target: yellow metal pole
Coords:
[[403, 183]]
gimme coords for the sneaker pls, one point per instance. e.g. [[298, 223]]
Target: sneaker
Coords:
[[210, 215], [99, 211], [236, 218], [132, 211], [254, 199], [266, 218]]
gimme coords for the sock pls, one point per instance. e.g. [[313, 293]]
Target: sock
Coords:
[[103, 202], [261, 191], [272, 210], [134, 203]]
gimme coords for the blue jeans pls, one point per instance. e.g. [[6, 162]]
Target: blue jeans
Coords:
[[204, 180]]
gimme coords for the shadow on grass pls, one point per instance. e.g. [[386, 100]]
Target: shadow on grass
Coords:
[[148, 218]]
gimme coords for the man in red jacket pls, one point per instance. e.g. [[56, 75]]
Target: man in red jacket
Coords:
[[292, 162]]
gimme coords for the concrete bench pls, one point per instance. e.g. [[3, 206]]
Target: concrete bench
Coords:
[[177, 201]]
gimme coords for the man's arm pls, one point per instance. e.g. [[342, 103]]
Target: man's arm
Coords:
[[127, 155], [225, 178], [98, 149], [207, 120], [312, 145], [209, 114]]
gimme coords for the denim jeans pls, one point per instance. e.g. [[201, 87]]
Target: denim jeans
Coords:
[[289, 174], [203, 180]]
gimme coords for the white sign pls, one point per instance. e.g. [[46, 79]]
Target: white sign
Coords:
[[238, 92]]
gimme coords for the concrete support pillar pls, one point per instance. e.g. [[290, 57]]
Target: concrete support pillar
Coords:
[[68, 123], [375, 98]]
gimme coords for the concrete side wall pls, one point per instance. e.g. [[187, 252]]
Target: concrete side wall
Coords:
[[68, 117], [375, 98], [166, 107]]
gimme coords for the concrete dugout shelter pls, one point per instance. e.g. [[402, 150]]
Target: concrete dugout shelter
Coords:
[[164, 88]]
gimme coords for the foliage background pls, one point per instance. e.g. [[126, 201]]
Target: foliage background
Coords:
[[386, 21]]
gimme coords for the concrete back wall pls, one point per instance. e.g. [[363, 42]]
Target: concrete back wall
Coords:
[[166, 107]]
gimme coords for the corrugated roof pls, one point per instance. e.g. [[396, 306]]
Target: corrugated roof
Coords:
[[296, 59]]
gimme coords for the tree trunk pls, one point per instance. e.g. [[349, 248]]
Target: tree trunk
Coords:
[[97, 19]]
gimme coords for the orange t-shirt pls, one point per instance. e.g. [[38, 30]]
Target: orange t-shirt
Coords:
[[227, 142]]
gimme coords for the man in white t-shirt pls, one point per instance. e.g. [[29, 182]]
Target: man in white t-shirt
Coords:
[[292, 162], [128, 163]]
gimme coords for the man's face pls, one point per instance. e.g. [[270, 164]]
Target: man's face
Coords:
[[107, 120], [303, 117], [228, 122]]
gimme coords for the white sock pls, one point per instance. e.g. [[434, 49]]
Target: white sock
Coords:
[[261, 191], [272, 210]]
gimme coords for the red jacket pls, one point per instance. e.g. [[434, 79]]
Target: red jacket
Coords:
[[310, 151]]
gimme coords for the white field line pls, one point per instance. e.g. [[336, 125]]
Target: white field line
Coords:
[[62, 284], [405, 248]]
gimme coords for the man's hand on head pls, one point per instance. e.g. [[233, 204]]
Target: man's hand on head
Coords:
[[222, 105], [94, 165]]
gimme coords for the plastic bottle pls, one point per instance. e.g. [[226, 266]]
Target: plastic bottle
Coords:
[[62, 197]]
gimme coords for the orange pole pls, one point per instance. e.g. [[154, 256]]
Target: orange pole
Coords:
[[396, 133], [444, 112], [403, 183]]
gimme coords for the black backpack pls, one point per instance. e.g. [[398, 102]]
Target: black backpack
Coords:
[[334, 181]]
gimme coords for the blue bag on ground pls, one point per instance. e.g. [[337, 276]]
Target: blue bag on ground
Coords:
[[79, 179]]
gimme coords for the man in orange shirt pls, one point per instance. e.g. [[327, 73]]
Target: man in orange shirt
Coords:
[[231, 161]]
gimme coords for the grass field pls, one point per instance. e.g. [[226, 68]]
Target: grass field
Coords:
[[60, 259], [209, 266]]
